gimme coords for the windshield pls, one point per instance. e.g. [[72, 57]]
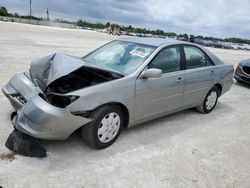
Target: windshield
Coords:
[[124, 57]]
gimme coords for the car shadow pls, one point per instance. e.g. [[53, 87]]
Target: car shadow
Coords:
[[242, 85]]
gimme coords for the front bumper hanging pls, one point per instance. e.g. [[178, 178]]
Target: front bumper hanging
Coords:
[[35, 116]]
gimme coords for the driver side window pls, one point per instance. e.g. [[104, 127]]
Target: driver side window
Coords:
[[168, 60]]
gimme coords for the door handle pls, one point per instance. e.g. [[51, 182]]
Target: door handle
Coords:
[[179, 80], [212, 73]]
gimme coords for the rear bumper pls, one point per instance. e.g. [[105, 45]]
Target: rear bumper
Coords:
[[35, 116]]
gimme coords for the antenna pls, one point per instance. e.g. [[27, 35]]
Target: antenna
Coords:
[[30, 10]]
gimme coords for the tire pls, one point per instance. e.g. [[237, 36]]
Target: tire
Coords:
[[105, 127], [213, 96]]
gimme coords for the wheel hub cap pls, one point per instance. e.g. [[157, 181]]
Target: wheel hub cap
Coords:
[[109, 127], [211, 100]]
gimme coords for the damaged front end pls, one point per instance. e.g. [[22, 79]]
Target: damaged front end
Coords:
[[40, 95], [59, 74], [78, 79]]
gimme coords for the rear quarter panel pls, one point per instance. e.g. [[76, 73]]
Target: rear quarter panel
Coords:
[[200, 81], [225, 76]]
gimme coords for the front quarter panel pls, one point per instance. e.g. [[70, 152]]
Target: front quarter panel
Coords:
[[116, 91]]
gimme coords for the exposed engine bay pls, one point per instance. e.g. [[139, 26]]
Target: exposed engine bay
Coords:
[[58, 74], [83, 77], [79, 79]]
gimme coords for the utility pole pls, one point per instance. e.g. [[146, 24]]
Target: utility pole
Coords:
[[30, 10], [47, 14]]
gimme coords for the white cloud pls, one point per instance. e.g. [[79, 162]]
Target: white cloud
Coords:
[[221, 18], [210, 17]]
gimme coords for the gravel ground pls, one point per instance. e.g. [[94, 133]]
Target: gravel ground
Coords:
[[185, 149]]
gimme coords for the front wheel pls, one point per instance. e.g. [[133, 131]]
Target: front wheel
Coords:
[[210, 101], [105, 127]]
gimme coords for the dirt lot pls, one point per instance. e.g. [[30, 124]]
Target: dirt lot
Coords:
[[186, 149]]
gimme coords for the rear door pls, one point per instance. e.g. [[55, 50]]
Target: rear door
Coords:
[[200, 75], [155, 96]]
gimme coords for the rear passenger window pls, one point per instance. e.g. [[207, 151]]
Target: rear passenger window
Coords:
[[168, 60], [195, 58]]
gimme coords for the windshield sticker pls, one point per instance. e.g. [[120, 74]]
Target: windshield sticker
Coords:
[[138, 52]]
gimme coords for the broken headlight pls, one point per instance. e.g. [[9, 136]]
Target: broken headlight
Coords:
[[61, 101]]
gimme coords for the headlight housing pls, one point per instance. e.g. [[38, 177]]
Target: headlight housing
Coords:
[[59, 100]]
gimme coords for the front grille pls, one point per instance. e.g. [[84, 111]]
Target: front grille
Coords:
[[245, 78], [246, 69], [19, 98]]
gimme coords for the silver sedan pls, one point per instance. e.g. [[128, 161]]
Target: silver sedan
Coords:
[[121, 84]]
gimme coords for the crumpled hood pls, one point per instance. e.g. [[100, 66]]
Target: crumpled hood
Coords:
[[48, 69]]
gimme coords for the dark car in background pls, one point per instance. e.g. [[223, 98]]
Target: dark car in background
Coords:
[[242, 72]]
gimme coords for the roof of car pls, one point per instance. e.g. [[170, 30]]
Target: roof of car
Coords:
[[152, 41]]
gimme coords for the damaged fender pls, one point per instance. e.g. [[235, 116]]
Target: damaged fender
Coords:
[[39, 119], [35, 116]]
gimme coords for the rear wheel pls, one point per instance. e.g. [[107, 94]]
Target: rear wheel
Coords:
[[210, 101], [105, 127]]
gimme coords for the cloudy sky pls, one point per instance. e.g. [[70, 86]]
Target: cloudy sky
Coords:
[[219, 18]]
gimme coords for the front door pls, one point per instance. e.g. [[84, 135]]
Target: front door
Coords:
[[156, 96]]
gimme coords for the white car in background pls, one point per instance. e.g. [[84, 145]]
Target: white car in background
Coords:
[[243, 46], [235, 46]]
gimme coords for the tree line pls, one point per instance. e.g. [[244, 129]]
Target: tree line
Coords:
[[129, 29], [4, 12]]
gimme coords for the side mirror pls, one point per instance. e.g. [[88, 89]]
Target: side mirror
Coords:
[[151, 73]]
